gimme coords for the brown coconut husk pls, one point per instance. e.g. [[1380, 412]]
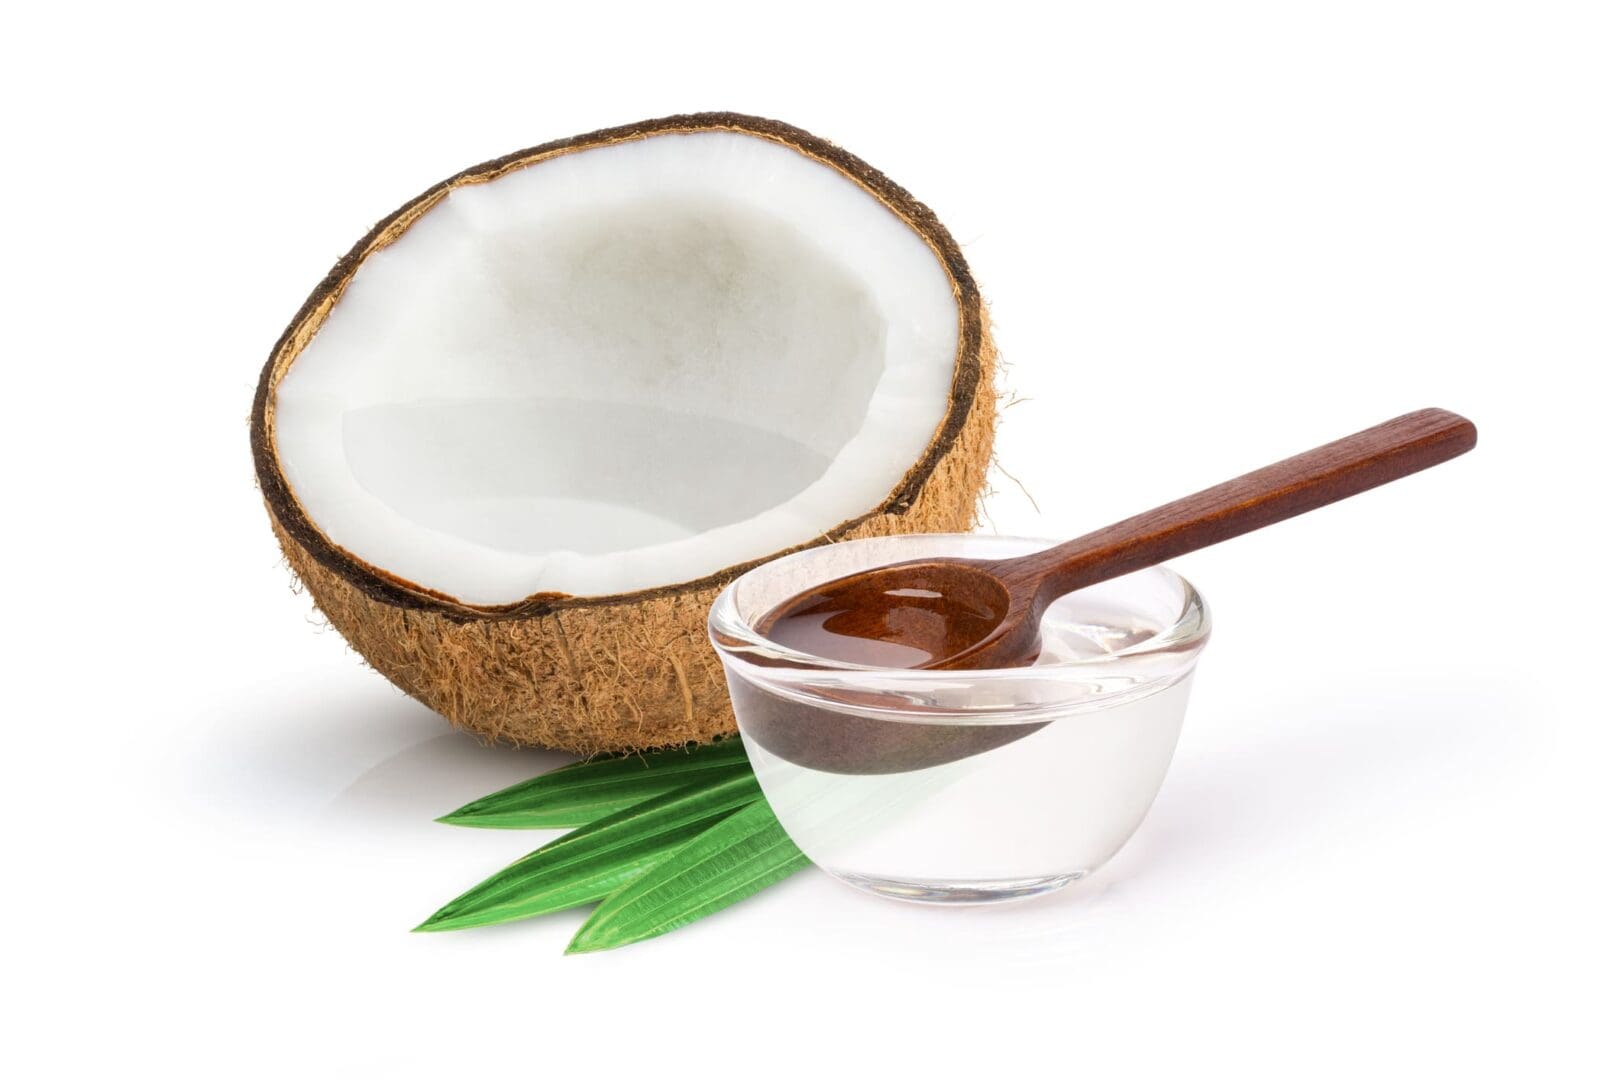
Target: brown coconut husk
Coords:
[[603, 673]]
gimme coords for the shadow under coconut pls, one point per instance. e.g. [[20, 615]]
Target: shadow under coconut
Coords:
[[435, 776], [355, 755]]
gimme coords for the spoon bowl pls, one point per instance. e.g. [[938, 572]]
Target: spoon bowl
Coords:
[[924, 613]]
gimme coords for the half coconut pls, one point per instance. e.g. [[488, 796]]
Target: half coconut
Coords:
[[522, 434]]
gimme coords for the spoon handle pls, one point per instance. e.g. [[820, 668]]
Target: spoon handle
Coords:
[[1349, 466]]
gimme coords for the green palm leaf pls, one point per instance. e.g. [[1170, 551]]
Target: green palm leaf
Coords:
[[727, 862], [593, 861]]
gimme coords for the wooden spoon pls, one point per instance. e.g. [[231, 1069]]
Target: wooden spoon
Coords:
[[980, 613]]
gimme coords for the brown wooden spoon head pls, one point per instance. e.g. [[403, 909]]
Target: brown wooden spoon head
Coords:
[[924, 614], [921, 614]]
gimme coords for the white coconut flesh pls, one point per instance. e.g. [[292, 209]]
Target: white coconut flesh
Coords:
[[618, 369]]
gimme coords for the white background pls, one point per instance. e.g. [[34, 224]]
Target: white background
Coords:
[[1212, 235]]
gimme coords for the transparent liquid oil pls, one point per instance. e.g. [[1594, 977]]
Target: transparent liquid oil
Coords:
[[1019, 818]]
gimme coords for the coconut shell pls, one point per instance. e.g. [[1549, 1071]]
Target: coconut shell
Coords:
[[603, 673]]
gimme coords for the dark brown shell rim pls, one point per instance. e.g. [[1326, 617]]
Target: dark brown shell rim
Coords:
[[379, 585]]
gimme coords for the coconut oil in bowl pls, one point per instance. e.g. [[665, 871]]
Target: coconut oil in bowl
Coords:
[[972, 785]]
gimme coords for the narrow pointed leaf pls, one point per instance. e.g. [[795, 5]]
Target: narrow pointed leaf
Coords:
[[731, 860], [579, 794], [590, 862]]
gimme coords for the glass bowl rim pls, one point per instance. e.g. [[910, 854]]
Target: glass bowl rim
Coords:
[[1185, 634]]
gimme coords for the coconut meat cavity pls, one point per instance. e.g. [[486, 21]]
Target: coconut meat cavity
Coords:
[[620, 368]]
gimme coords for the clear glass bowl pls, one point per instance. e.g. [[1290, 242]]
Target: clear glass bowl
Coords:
[[964, 786]]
